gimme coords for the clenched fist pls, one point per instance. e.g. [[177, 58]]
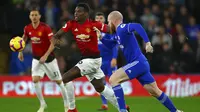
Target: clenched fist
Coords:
[[149, 48]]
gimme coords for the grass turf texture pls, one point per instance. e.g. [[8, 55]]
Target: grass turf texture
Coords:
[[91, 104]]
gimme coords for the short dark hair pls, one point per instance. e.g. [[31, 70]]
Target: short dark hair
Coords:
[[99, 14], [85, 6]]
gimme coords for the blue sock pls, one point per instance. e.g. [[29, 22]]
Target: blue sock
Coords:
[[120, 97], [104, 101], [164, 99]]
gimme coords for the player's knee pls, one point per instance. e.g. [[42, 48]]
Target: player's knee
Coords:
[[99, 88], [58, 82], [35, 79], [113, 81]]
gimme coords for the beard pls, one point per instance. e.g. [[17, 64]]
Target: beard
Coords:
[[112, 28]]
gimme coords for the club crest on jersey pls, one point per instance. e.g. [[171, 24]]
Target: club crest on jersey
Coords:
[[88, 30], [76, 30], [82, 36], [39, 33]]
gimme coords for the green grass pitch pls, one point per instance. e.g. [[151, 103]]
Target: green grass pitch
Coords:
[[90, 104]]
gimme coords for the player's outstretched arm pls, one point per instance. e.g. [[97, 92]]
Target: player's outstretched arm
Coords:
[[114, 58], [54, 40], [20, 55], [107, 42], [141, 31]]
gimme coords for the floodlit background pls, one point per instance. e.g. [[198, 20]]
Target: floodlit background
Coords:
[[172, 26]]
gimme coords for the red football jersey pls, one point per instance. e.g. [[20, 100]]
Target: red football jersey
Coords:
[[40, 38], [85, 36]]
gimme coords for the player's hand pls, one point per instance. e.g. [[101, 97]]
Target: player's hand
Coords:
[[113, 62], [20, 56], [43, 59], [98, 32], [149, 48]]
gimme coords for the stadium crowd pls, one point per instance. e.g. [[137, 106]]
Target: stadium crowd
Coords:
[[173, 31]]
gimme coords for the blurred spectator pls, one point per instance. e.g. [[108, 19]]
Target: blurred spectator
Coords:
[[183, 17], [166, 58], [179, 38], [65, 16], [161, 37], [168, 25], [131, 15], [172, 12], [192, 28], [187, 59], [19, 14], [51, 13], [198, 54], [147, 16], [152, 27], [156, 10]]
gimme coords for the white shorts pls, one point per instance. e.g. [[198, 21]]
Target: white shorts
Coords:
[[50, 69], [91, 68]]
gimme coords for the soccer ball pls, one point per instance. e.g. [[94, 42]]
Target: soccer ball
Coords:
[[17, 44]]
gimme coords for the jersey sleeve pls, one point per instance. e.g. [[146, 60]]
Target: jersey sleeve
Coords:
[[115, 51], [67, 27], [139, 29], [101, 26], [49, 32], [25, 31]]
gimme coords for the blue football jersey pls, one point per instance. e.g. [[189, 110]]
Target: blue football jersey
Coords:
[[107, 53], [128, 42]]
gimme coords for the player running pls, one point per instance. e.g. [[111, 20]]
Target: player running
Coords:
[[109, 57], [40, 34], [86, 40], [138, 66]]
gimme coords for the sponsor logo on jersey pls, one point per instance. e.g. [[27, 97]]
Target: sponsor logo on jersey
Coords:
[[88, 30], [82, 36], [35, 40]]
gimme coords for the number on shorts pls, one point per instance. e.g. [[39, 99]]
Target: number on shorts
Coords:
[[55, 74], [80, 62]]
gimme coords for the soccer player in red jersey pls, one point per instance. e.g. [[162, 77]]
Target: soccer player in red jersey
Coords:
[[40, 34], [87, 41]]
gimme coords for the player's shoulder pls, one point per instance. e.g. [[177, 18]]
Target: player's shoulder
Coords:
[[44, 25], [94, 22], [72, 21], [28, 26], [122, 27]]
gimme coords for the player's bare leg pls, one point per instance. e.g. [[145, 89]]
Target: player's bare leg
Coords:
[[105, 91], [154, 91], [75, 72], [38, 92], [72, 74], [115, 80]]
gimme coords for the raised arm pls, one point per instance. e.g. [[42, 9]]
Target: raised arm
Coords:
[[53, 41], [139, 29]]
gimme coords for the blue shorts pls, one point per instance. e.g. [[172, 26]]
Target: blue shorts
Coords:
[[140, 70], [107, 69]]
